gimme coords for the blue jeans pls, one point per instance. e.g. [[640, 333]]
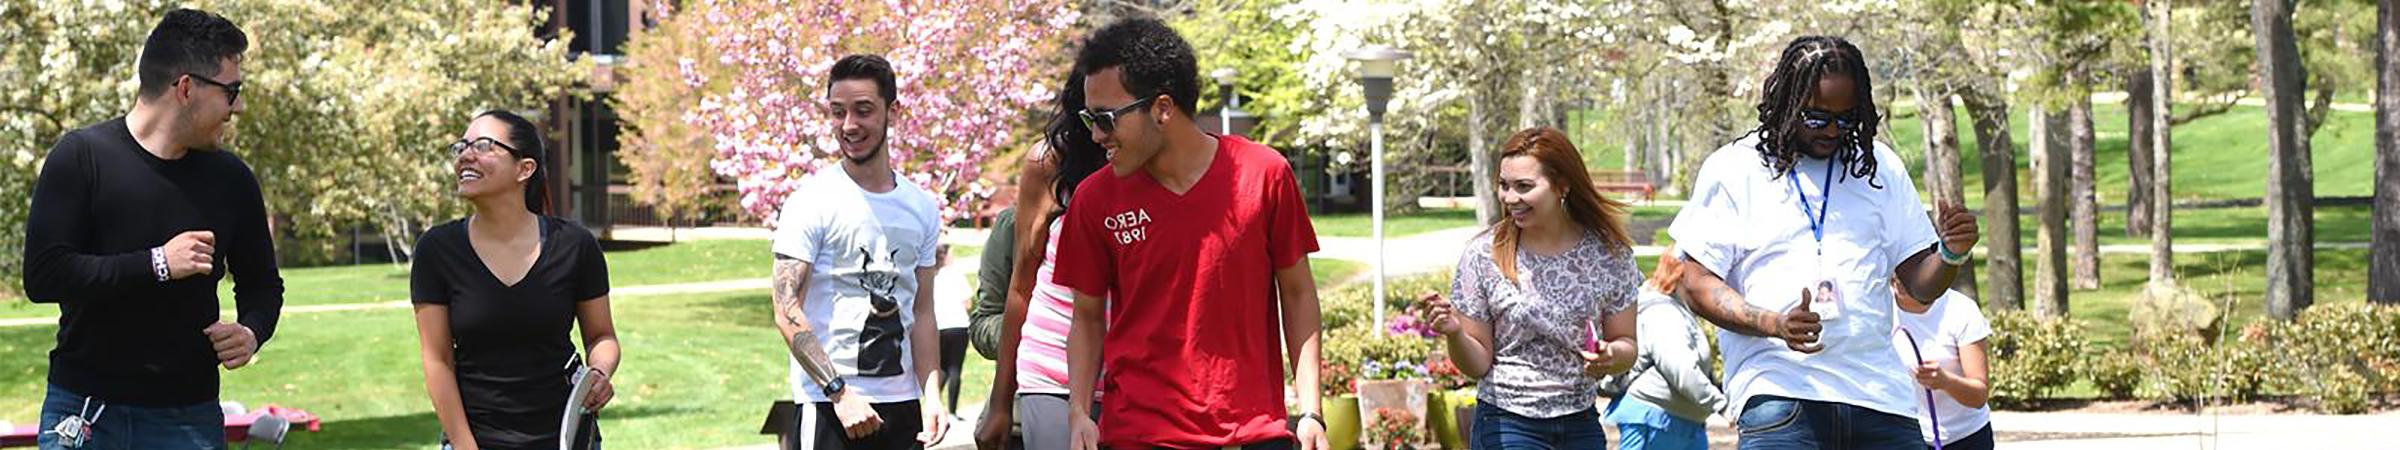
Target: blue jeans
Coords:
[[1981, 440], [1643, 426], [126, 427], [1497, 429], [1778, 423]]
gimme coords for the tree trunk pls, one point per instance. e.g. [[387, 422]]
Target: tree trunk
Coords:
[[2002, 260], [2162, 148], [1943, 183], [2138, 105], [1479, 160], [2291, 248], [2049, 155], [2083, 215], [2384, 258]]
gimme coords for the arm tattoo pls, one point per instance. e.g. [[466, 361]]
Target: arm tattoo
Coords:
[[787, 289], [805, 349], [1760, 322]]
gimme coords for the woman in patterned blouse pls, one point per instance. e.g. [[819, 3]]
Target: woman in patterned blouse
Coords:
[[1533, 313]]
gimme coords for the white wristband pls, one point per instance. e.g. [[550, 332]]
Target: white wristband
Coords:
[[158, 263]]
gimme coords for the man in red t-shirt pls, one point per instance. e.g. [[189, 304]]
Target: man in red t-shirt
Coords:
[[1203, 242]]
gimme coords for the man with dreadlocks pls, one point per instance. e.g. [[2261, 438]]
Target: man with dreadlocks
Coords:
[[1790, 236]]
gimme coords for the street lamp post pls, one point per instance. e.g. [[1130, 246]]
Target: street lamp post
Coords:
[[1225, 77], [1377, 65]]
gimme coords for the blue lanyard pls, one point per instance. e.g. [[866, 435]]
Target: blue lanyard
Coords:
[[1815, 215]]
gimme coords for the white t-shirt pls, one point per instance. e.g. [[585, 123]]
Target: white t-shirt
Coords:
[[1747, 225], [951, 292], [864, 250], [1952, 323]]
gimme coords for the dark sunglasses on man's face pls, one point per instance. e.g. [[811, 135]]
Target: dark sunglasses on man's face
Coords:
[[233, 91], [1106, 121], [1817, 120], [479, 145]]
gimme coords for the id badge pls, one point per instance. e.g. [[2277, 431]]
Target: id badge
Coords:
[[1825, 301]]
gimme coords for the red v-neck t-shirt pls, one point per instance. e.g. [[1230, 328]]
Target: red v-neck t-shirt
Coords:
[[1193, 353]]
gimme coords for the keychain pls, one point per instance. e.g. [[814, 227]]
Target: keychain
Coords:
[[74, 431]]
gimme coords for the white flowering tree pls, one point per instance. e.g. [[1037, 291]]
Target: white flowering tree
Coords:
[[344, 123]]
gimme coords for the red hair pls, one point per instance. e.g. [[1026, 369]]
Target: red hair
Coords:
[[1562, 165]]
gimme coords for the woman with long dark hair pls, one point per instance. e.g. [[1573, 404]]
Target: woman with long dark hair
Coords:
[[1031, 383], [496, 294], [1538, 311]]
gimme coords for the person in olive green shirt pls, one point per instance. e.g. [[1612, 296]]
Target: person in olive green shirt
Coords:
[[987, 317]]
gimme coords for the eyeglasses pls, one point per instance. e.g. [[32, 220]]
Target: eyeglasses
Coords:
[[1817, 119], [1106, 121], [233, 91], [479, 145]]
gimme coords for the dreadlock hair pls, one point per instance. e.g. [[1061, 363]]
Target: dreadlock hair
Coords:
[[1794, 83]]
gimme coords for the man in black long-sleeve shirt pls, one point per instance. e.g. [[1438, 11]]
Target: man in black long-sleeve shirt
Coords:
[[134, 221]]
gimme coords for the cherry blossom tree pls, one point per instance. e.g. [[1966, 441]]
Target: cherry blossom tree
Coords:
[[974, 77]]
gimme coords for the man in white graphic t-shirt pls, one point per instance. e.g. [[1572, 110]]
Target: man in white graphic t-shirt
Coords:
[[854, 268]]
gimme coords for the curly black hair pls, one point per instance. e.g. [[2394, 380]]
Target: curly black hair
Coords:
[[1070, 143], [1154, 60], [1794, 83], [187, 41]]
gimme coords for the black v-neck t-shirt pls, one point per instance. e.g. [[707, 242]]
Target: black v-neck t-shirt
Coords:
[[510, 345]]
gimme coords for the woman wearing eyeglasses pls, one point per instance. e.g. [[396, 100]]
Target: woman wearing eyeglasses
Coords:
[[496, 294]]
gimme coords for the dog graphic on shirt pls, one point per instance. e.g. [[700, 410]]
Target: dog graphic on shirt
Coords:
[[880, 339]]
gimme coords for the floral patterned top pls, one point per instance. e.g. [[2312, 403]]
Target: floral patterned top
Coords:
[[1540, 321]]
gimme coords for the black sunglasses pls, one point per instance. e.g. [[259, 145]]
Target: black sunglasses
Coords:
[[1817, 120], [480, 145], [1106, 121], [233, 91]]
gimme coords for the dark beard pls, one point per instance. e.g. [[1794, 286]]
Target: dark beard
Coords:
[[878, 153], [885, 140]]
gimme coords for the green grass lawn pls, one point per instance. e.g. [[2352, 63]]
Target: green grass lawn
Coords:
[[1400, 225], [689, 261], [1332, 272], [699, 372], [2216, 157], [1362, 225], [2235, 277], [2246, 225]]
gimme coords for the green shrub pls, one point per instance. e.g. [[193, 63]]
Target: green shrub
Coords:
[[2114, 372], [2335, 356], [2342, 392], [2032, 358], [2178, 369], [1353, 305], [2185, 369]]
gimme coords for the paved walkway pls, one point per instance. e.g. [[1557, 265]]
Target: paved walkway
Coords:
[[2200, 431], [2142, 431]]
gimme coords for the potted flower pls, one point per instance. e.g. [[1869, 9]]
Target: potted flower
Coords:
[[1450, 408], [1393, 376], [1394, 429], [1337, 386]]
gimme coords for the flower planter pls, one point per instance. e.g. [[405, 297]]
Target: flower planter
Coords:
[[1406, 397], [1341, 421], [1450, 414]]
